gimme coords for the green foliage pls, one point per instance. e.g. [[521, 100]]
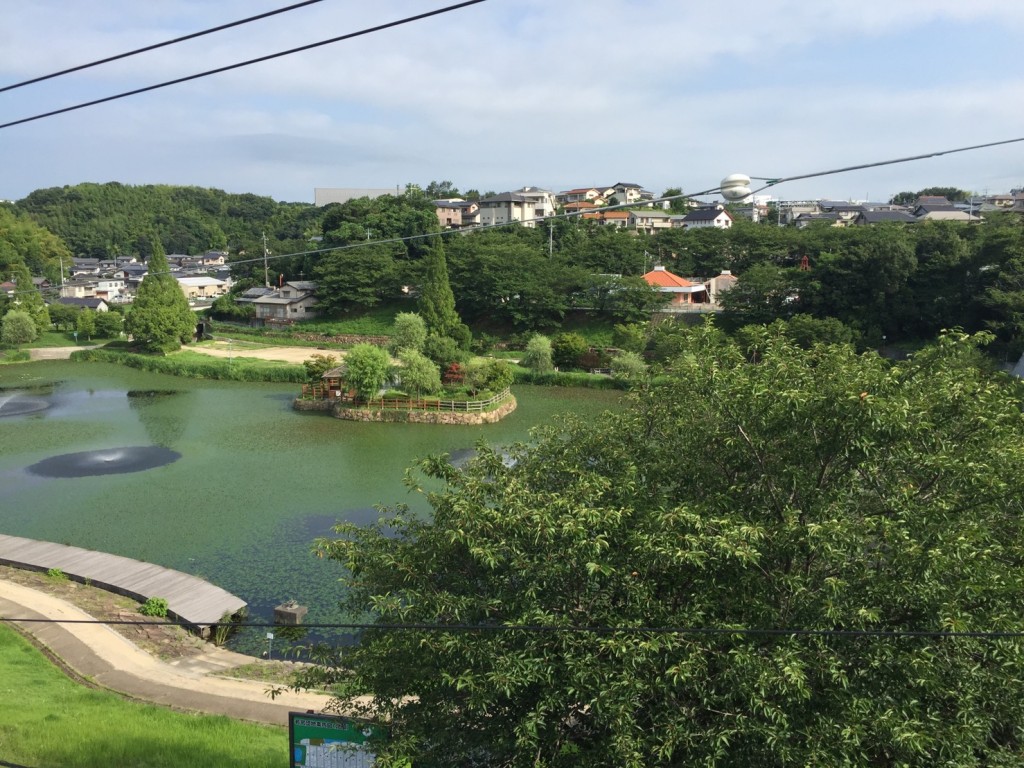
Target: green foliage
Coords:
[[24, 242], [109, 325], [816, 489], [443, 350], [27, 298], [197, 366], [632, 337], [17, 328], [62, 316], [538, 355], [318, 365], [16, 356], [487, 375], [56, 574], [366, 370], [160, 320], [356, 279], [436, 301], [408, 332], [85, 323], [629, 366], [154, 606], [567, 349], [418, 373]]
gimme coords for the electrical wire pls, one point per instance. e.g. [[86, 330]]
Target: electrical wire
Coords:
[[558, 629], [239, 65], [153, 47]]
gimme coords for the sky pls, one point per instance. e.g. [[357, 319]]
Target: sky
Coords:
[[557, 94]]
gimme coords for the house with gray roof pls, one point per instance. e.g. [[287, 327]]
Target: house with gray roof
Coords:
[[292, 302]]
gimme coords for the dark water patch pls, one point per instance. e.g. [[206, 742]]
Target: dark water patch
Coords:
[[109, 461], [150, 394]]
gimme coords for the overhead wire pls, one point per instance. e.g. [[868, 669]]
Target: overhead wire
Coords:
[[155, 46], [248, 62]]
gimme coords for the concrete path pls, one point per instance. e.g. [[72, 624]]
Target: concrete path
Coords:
[[98, 653]]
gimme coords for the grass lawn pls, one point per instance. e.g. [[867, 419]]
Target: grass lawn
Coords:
[[50, 721]]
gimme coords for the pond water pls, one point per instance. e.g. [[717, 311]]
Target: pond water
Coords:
[[219, 479]]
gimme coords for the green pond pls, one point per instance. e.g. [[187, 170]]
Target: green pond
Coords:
[[250, 482]]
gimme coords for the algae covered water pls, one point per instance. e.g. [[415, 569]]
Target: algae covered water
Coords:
[[239, 483]]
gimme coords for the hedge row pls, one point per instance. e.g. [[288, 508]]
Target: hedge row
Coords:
[[215, 369], [566, 379]]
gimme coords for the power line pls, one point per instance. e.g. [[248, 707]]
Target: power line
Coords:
[[239, 65], [558, 629], [153, 47]]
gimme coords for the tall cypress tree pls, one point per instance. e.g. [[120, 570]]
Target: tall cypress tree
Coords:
[[160, 319], [437, 302]]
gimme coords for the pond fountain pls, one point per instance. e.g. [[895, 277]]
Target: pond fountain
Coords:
[[109, 461], [18, 404]]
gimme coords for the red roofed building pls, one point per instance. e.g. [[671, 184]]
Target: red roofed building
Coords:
[[612, 218], [684, 292]]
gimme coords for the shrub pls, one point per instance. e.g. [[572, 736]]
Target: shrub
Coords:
[[567, 349], [537, 355], [18, 327], [56, 574], [154, 606], [408, 332]]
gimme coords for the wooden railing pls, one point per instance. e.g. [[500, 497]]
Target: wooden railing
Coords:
[[432, 404]]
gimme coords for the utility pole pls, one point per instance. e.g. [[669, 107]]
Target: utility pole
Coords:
[[266, 269]]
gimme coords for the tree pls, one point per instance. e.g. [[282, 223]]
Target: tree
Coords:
[[85, 323], [408, 332], [538, 355], [317, 365], [160, 319], [567, 349], [660, 548], [356, 278], [27, 298], [109, 325], [418, 373], [628, 366], [366, 370], [437, 302], [62, 316], [18, 328]]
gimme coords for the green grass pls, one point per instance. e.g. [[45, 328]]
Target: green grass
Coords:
[[49, 720], [195, 365]]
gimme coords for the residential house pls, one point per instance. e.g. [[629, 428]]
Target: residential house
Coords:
[[455, 212], [719, 284], [293, 301], [715, 216], [626, 192], [541, 201], [649, 220], [951, 214], [249, 295], [506, 208], [579, 207], [805, 220], [202, 287], [94, 303], [614, 218], [881, 217], [78, 289], [581, 195], [88, 267], [686, 295]]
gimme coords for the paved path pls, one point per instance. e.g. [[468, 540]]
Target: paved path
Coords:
[[189, 598], [97, 652]]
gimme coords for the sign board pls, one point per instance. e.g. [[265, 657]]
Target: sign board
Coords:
[[330, 741]]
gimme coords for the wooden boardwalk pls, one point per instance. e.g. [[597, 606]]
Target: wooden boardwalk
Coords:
[[189, 598]]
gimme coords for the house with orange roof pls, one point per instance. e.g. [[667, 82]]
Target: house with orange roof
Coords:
[[684, 293], [609, 218]]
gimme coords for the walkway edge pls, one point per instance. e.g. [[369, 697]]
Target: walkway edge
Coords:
[[99, 654]]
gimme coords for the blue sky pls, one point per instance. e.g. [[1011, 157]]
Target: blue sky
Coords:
[[549, 93]]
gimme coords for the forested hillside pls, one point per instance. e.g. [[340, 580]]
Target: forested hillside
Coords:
[[103, 220], [24, 242]]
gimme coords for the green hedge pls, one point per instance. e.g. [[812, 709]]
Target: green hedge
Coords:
[[214, 369], [567, 379]]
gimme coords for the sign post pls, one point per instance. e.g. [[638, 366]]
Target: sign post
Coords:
[[331, 741]]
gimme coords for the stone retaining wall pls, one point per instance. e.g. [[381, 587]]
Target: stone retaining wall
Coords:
[[426, 417], [300, 404]]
